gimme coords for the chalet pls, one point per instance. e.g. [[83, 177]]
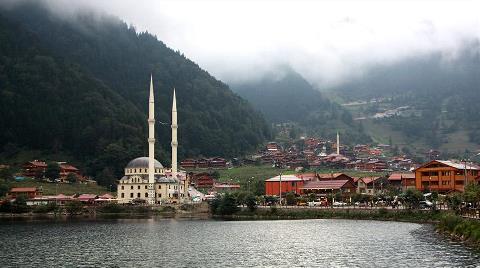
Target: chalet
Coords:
[[226, 187], [402, 180], [370, 185], [445, 176], [34, 169], [273, 146], [284, 183], [202, 163], [333, 176], [376, 165], [323, 187], [203, 180], [27, 192], [188, 163], [217, 162]]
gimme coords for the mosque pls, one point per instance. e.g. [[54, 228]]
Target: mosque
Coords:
[[145, 178]]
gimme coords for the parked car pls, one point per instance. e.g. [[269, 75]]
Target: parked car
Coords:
[[358, 204], [339, 204], [316, 203], [426, 204]]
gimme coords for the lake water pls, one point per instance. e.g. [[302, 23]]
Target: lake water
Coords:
[[205, 243]]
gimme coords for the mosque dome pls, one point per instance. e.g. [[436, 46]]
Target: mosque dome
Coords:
[[142, 162]]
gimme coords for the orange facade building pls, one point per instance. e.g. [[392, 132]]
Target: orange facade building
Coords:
[[445, 176], [290, 183]]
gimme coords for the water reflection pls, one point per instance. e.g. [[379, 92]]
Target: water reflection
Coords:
[[168, 242]]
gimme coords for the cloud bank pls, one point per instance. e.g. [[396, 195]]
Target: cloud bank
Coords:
[[325, 41]]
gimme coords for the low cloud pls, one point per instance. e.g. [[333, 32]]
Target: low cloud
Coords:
[[326, 41]]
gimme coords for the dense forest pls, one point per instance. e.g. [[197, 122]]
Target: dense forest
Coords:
[[285, 96], [78, 87], [443, 89]]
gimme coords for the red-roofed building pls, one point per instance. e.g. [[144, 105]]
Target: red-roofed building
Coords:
[[203, 180], [402, 180], [345, 187], [289, 183], [27, 192], [188, 163], [34, 169]]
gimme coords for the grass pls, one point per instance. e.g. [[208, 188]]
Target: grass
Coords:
[[462, 228], [263, 172], [62, 188]]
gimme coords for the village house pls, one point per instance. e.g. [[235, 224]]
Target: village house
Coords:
[[188, 163], [402, 180], [202, 180], [34, 169], [324, 187], [445, 176], [27, 192], [289, 183]]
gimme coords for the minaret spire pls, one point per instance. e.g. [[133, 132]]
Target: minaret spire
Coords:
[[151, 145], [338, 143], [175, 141]]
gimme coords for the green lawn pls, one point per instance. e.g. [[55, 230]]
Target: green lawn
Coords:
[[240, 174], [63, 188]]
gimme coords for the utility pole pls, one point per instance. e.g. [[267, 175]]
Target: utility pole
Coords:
[[280, 189]]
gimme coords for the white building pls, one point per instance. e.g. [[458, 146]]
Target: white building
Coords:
[[145, 178]]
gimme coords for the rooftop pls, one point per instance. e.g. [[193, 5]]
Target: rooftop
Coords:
[[285, 178]]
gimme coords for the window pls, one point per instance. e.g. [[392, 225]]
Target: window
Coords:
[[293, 184], [123, 195], [159, 186], [159, 195], [138, 187], [458, 182], [138, 195], [131, 187], [122, 187], [146, 187], [146, 194], [131, 195], [445, 182]]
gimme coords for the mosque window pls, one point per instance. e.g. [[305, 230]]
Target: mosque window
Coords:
[[160, 195], [138, 195], [131, 195], [159, 186], [146, 187], [138, 187], [131, 187], [169, 186], [146, 194], [122, 187], [123, 195]]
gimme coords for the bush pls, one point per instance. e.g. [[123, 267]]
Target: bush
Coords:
[[251, 202], [112, 208], [73, 208], [50, 207]]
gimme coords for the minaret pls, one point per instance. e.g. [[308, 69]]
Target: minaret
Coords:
[[338, 144], [174, 141], [151, 145]]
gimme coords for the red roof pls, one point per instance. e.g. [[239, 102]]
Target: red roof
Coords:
[[325, 184], [38, 163], [67, 167], [399, 176], [23, 189]]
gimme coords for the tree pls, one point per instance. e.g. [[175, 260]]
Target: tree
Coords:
[[72, 177], [412, 198], [454, 201], [291, 199], [228, 205], [53, 171], [3, 189], [251, 202], [472, 193], [73, 207], [20, 205], [6, 174]]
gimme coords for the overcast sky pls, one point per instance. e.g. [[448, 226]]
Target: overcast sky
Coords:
[[325, 41]]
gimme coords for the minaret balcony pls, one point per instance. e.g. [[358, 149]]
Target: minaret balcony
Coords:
[[151, 140], [151, 120]]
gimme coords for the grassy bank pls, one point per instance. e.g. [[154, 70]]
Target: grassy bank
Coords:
[[421, 216], [62, 188], [461, 228]]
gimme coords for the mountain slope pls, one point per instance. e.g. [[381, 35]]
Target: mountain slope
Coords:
[[290, 98], [442, 94], [85, 92]]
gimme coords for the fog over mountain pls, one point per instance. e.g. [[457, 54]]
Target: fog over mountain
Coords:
[[327, 42]]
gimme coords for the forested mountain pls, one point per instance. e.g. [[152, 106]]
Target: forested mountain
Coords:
[[287, 97], [442, 91], [79, 86]]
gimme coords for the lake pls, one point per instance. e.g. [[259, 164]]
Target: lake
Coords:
[[208, 243]]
